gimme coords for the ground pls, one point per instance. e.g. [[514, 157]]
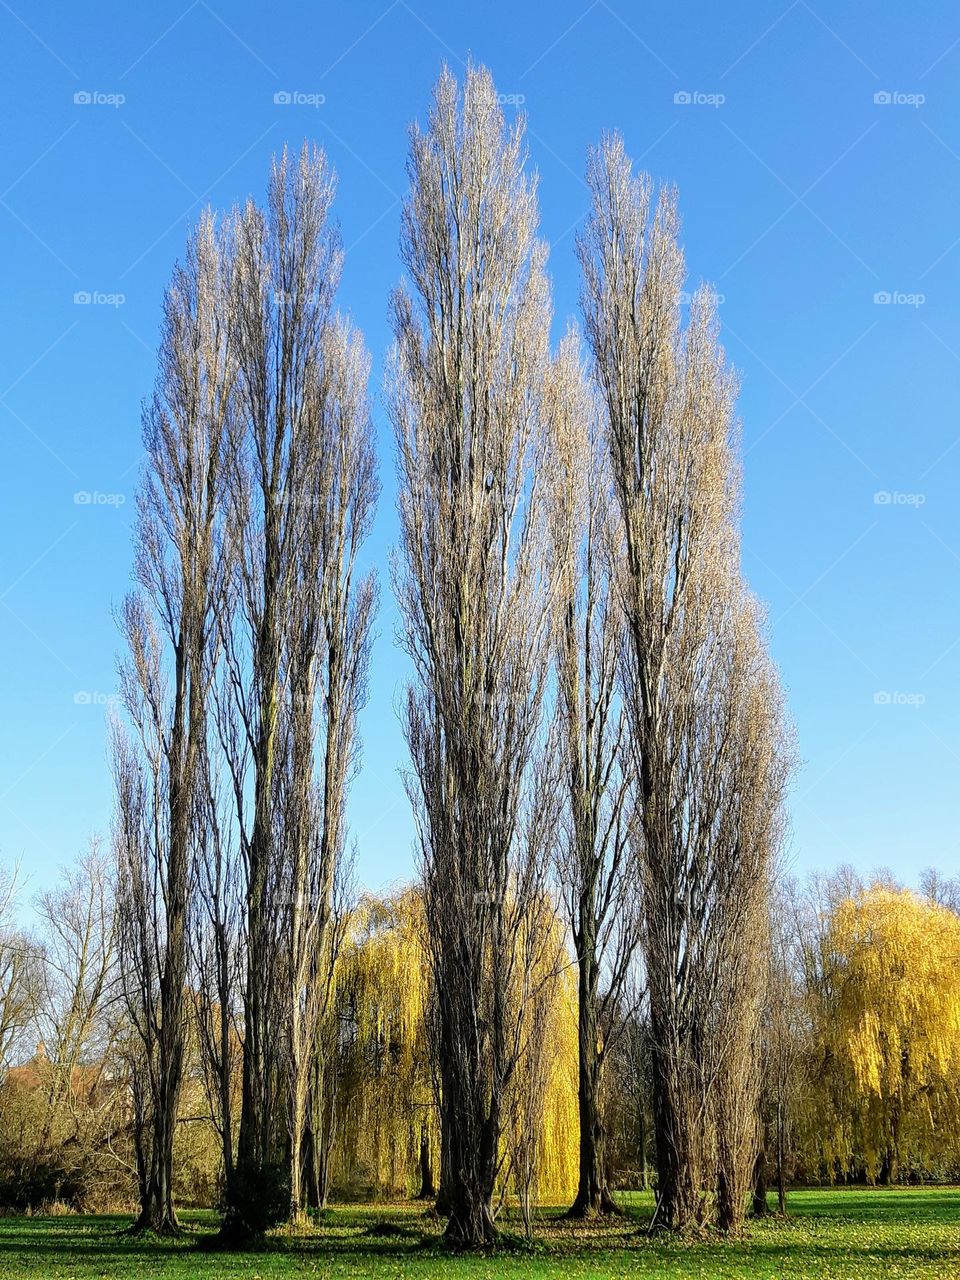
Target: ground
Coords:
[[831, 1235]]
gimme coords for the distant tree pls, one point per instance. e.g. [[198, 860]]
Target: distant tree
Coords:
[[19, 972], [541, 1140], [387, 1129], [77, 998], [60, 1112], [884, 999], [940, 889]]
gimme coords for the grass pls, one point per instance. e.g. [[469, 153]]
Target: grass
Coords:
[[853, 1235]]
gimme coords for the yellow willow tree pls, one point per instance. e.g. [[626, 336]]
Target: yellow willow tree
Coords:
[[540, 1150], [467, 374], [388, 1134], [886, 1010]]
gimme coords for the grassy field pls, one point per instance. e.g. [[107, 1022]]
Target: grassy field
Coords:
[[831, 1234]]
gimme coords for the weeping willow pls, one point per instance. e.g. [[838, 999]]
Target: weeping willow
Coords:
[[386, 1104], [388, 1141], [885, 1099], [541, 1143]]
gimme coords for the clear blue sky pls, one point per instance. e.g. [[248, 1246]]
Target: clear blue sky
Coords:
[[802, 196]]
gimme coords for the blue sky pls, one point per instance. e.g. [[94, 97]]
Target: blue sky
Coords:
[[807, 200]]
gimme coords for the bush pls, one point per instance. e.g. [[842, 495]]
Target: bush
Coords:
[[30, 1186], [258, 1200]]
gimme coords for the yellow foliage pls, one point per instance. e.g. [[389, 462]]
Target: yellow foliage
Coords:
[[387, 1098], [896, 967], [887, 1030], [544, 1121]]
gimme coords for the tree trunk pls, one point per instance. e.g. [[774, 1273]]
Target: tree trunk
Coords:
[[157, 1213], [323, 1125], [474, 1148], [677, 1192], [443, 1202], [297, 1200], [255, 1111], [592, 1198], [727, 1216], [427, 1189], [759, 1207], [781, 1161], [470, 1224], [642, 1144]]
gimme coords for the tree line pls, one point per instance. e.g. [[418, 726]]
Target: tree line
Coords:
[[858, 1061], [598, 753]]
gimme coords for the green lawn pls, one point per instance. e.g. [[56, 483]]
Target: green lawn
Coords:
[[831, 1234]]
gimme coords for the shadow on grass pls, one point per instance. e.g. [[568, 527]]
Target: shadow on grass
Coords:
[[863, 1233]]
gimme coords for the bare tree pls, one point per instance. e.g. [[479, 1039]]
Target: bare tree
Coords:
[[170, 629], [467, 379], [77, 1024], [685, 677], [747, 765], [330, 622], [288, 261], [303, 491], [19, 971], [77, 977], [595, 863]]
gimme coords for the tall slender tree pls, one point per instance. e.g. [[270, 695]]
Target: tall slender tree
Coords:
[[595, 863], [468, 370], [170, 628], [745, 765], [302, 494], [700, 741], [330, 621]]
